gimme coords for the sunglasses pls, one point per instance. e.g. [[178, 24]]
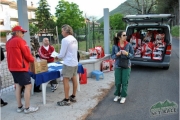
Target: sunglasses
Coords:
[[22, 32], [158, 38]]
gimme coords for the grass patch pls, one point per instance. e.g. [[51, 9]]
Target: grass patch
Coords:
[[175, 31], [82, 45]]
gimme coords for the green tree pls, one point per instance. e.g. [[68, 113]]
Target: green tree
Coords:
[[102, 25], [3, 34], [116, 22], [142, 6], [169, 7], [52, 25], [44, 17], [69, 13], [33, 29]]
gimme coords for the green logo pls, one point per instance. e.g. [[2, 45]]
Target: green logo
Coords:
[[164, 108]]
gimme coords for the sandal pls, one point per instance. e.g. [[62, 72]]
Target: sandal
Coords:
[[64, 103]]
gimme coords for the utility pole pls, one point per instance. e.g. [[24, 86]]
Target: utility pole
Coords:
[[23, 18], [106, 31]]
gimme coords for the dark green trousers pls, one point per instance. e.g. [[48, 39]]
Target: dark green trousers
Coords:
[[121, 81]]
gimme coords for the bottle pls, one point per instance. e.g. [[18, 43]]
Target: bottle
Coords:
[[38, 59]]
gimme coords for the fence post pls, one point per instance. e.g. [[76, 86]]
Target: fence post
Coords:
[[89, 35], [93, 36], [86, 36]]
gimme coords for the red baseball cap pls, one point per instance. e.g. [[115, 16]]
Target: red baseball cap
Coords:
[[18, 28]]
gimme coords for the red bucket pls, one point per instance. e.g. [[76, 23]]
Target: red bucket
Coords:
[[83, 77]]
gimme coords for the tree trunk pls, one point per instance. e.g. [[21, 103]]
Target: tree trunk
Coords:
[[176, 13]]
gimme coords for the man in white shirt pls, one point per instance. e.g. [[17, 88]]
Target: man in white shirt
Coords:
[[68, 53]]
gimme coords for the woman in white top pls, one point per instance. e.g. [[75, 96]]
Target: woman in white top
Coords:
[[68, 52]]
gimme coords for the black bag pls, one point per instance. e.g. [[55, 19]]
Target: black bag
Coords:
[[2, 54], [123, 62], [78, 55]]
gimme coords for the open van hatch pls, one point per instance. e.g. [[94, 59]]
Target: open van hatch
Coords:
[[150, 38], [151, 18]]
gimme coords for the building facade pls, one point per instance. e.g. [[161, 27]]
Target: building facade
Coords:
[[9, 14]]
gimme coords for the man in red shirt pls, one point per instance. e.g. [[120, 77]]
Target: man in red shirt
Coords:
[[45, 52], [18, 58]]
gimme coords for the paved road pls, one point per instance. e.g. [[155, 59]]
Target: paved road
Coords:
[[147, 86]]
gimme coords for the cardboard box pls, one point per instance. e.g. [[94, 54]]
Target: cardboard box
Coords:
[[39, 67]]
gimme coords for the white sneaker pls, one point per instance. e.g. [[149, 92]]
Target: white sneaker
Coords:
[[20, 109], [123, 99], [116, 98], [30, 110], [55, 86]]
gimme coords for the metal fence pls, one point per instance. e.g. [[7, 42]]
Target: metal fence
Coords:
[[89, 38], [6, 77]]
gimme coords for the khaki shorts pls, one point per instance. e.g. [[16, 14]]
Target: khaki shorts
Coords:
[[69, 71]]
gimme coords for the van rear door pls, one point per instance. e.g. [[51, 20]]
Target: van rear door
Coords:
[[157, 19]]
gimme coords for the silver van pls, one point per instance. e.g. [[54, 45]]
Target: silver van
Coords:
[[146, 29]]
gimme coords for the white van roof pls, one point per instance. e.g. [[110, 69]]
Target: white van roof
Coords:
[[148, 18]]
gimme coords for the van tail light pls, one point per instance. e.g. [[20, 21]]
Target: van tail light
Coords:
[[168, 50]]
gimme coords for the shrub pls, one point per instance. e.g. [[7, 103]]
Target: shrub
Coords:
[[3, 34], [175, 31], [56, 47]]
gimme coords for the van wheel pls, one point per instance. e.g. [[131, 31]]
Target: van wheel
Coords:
[[166, 68]]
